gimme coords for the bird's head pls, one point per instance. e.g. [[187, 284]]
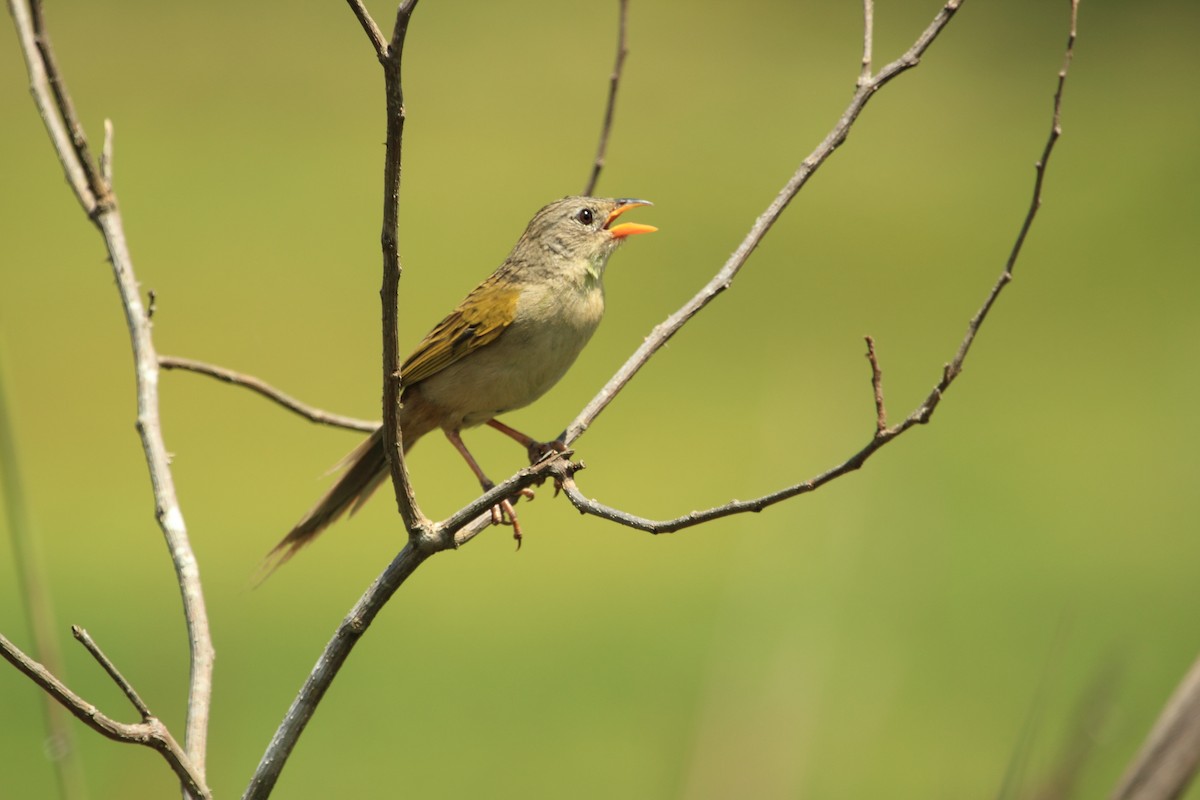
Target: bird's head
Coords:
[[582, 230]]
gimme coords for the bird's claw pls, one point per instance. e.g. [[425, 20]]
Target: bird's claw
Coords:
[[503, 513], [540, 450]]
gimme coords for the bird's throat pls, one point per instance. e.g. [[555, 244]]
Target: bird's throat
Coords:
[[594, 270]]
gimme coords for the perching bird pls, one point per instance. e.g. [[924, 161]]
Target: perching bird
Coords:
[[511, 339]]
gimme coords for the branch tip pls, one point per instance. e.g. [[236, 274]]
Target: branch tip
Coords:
[[614, 82], [883, 434], [125, 686], [877, 386]]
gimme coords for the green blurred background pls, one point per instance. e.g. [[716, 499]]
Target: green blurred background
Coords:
[[886, 636]]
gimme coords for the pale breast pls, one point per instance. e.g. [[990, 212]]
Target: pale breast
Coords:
[[525, 361]]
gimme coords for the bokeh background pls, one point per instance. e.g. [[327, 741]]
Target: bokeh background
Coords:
[[889, 635]]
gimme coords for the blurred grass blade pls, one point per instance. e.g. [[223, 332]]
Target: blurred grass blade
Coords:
[[1168, 759], [60, 740]]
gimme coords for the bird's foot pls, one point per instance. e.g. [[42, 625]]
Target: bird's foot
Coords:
[[503, 513], [541, 450]]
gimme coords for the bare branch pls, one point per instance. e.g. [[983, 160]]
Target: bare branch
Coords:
[[404, 11], [955, 366], [351, 629], [589, 506], [415, 522], [96, 196], [311, 413], [864, 76], [724, 277], [877, 385], [46, 87], [150, 732], [369, 26], [614, 81], [167, 510], [883, 434]]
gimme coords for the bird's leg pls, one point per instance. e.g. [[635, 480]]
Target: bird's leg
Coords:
[[537, 450], [502, 509]]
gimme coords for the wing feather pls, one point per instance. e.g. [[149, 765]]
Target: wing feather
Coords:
[[474, 323]]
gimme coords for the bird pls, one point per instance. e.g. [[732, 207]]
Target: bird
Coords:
[[503, 347]]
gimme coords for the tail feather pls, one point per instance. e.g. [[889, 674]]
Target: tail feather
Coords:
[[365, 468]]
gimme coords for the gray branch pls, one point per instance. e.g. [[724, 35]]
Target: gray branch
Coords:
[[311, 413], [96, 196]]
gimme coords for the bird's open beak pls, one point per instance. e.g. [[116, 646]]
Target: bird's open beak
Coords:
[[627, 228]]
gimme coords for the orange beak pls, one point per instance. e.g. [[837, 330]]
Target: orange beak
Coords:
[[627, 228]]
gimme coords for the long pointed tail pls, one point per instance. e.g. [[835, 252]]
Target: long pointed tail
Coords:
[[365, 468]]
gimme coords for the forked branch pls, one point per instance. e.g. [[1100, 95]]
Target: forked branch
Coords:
[[90, 183], [724, 277], [883, 433], [150, 732]]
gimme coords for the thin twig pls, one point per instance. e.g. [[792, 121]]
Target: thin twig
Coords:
[[150, 732], [955, 366], [369, 27], [310, 413], [66, 112], [86, 640], [43, 75], [864, 76], [614, 81], [595, 508], [415, 522], [98, 200], [877, 386]]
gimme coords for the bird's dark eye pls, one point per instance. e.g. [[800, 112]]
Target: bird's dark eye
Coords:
[[586, 216]]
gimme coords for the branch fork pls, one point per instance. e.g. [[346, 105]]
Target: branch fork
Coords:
[[150, 732]]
